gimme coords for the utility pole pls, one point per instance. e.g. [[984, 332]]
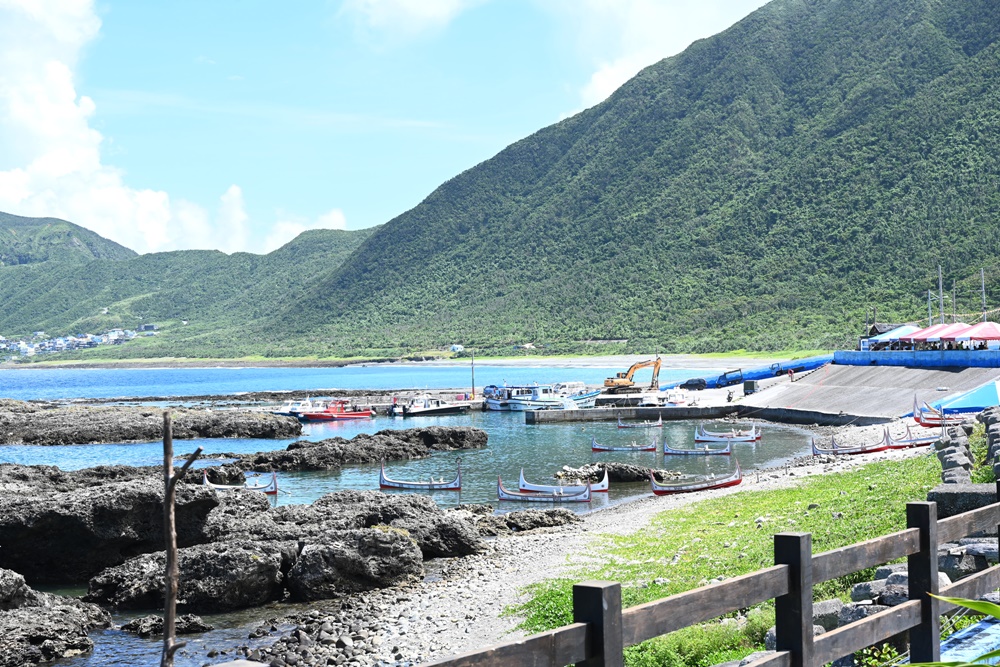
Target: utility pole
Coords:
[[930, 316], [941, 293]]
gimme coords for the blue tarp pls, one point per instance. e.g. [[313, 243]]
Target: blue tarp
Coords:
[[797, 365], [895, 334], [976, 400]]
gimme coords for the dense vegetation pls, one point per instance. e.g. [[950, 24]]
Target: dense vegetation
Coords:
[[761, 190], [32, 240]]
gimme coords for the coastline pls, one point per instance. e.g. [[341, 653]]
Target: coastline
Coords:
[[692, 361]]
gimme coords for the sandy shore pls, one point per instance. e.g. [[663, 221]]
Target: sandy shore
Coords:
[[458, 607]]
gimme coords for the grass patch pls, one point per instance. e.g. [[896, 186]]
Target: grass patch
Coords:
[[982, 469], [732, 535]]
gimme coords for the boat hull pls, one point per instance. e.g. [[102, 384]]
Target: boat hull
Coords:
[[386, 483], [701, 435], [506, 494], [668, 489], [269, 488], [646, 424], [706, 451], [598, 447]]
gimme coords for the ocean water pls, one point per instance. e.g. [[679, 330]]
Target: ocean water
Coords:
[[59, 383]]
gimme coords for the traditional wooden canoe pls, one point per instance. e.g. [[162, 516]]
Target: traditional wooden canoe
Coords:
[[836, 448], [645, 424], [734, 435], [454, 485], [929, 417], [910, 440], [702, 451], [598, 447], [554, 497], [597, 487], [270, 487], [703, 484]]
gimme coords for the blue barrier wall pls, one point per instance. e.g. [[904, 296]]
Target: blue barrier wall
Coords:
[[920, 359], [761, 372]]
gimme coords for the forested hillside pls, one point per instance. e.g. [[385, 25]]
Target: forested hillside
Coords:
[[759, 190], [218, 295], [762, 190], [32, 240]]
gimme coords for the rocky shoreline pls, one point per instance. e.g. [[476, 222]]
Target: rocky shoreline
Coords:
[[24, 423], [388, 579]]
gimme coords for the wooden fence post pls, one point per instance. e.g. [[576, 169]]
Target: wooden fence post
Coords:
[[793, 612], [922, 567], [599, 603]]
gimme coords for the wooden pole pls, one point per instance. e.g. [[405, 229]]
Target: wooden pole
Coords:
[[172, 574], [925, 639], [599, 603], [793, 612]]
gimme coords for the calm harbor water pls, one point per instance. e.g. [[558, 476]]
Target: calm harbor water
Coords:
[[540, 450]]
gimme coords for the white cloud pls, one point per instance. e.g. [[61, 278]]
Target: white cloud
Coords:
[[405, 17], [50, 156], [620, 37]]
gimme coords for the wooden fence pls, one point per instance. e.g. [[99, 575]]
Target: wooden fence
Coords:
[[602, 629]]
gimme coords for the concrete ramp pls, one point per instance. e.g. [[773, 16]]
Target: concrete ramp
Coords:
[[859, 394]]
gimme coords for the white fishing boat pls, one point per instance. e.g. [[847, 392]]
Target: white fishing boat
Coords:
[[426, 406], [578, 393], [498, 397], [537, 397]]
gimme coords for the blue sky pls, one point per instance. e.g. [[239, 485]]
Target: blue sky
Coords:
[[237, 125]]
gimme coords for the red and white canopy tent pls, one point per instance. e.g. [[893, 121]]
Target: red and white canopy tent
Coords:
[[988, 331], [956, 329], [922, 335]]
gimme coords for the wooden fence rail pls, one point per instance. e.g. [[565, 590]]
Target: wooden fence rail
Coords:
[[601, 629]]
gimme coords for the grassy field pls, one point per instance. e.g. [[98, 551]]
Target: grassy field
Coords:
[[729, 536]]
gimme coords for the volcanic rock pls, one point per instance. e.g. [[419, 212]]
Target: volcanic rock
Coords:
[[522, 520], [39, 627], [386, 445], [67, 537], [353, 561], [214, 577], [28, 424], [152, 626]]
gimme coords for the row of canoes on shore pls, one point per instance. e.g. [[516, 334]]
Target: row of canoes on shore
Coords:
[[887, 442], [701, 434]]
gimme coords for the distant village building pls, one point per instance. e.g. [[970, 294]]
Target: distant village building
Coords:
[[457, 348]]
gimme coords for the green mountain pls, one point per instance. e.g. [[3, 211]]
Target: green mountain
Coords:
[[761, 190], [33, 240], [217, 295]]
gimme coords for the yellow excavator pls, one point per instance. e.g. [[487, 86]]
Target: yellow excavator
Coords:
[[622, 382]]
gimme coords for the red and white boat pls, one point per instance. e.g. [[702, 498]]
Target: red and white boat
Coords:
[[269, 487], [929, 417], [430, 485], [703, 484], [336, 410], [733, 435], [598, 447], [910, 440], [645, 424], [595, 487], [554, 497], [839, 449], [703, 451]]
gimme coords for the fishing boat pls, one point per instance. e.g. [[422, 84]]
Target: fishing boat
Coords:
[[910, 440], [554, 497], [702, 484], [930, 417], [732, 435], [699, 451], [497, 397], [598, 447], [645, 424], [837, 449], [427, 406], [578, 393], [430, 485], [335, 411], [269, 487], [536, 397], [597, 487], [292, 408]]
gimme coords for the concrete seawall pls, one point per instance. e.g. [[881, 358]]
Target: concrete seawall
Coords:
[[627, 414]]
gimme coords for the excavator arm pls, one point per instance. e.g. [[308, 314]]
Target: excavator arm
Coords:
[[622, 381]]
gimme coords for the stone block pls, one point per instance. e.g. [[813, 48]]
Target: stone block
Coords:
[[955, 499], [868, 590], [827, 613], [883, 571]]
